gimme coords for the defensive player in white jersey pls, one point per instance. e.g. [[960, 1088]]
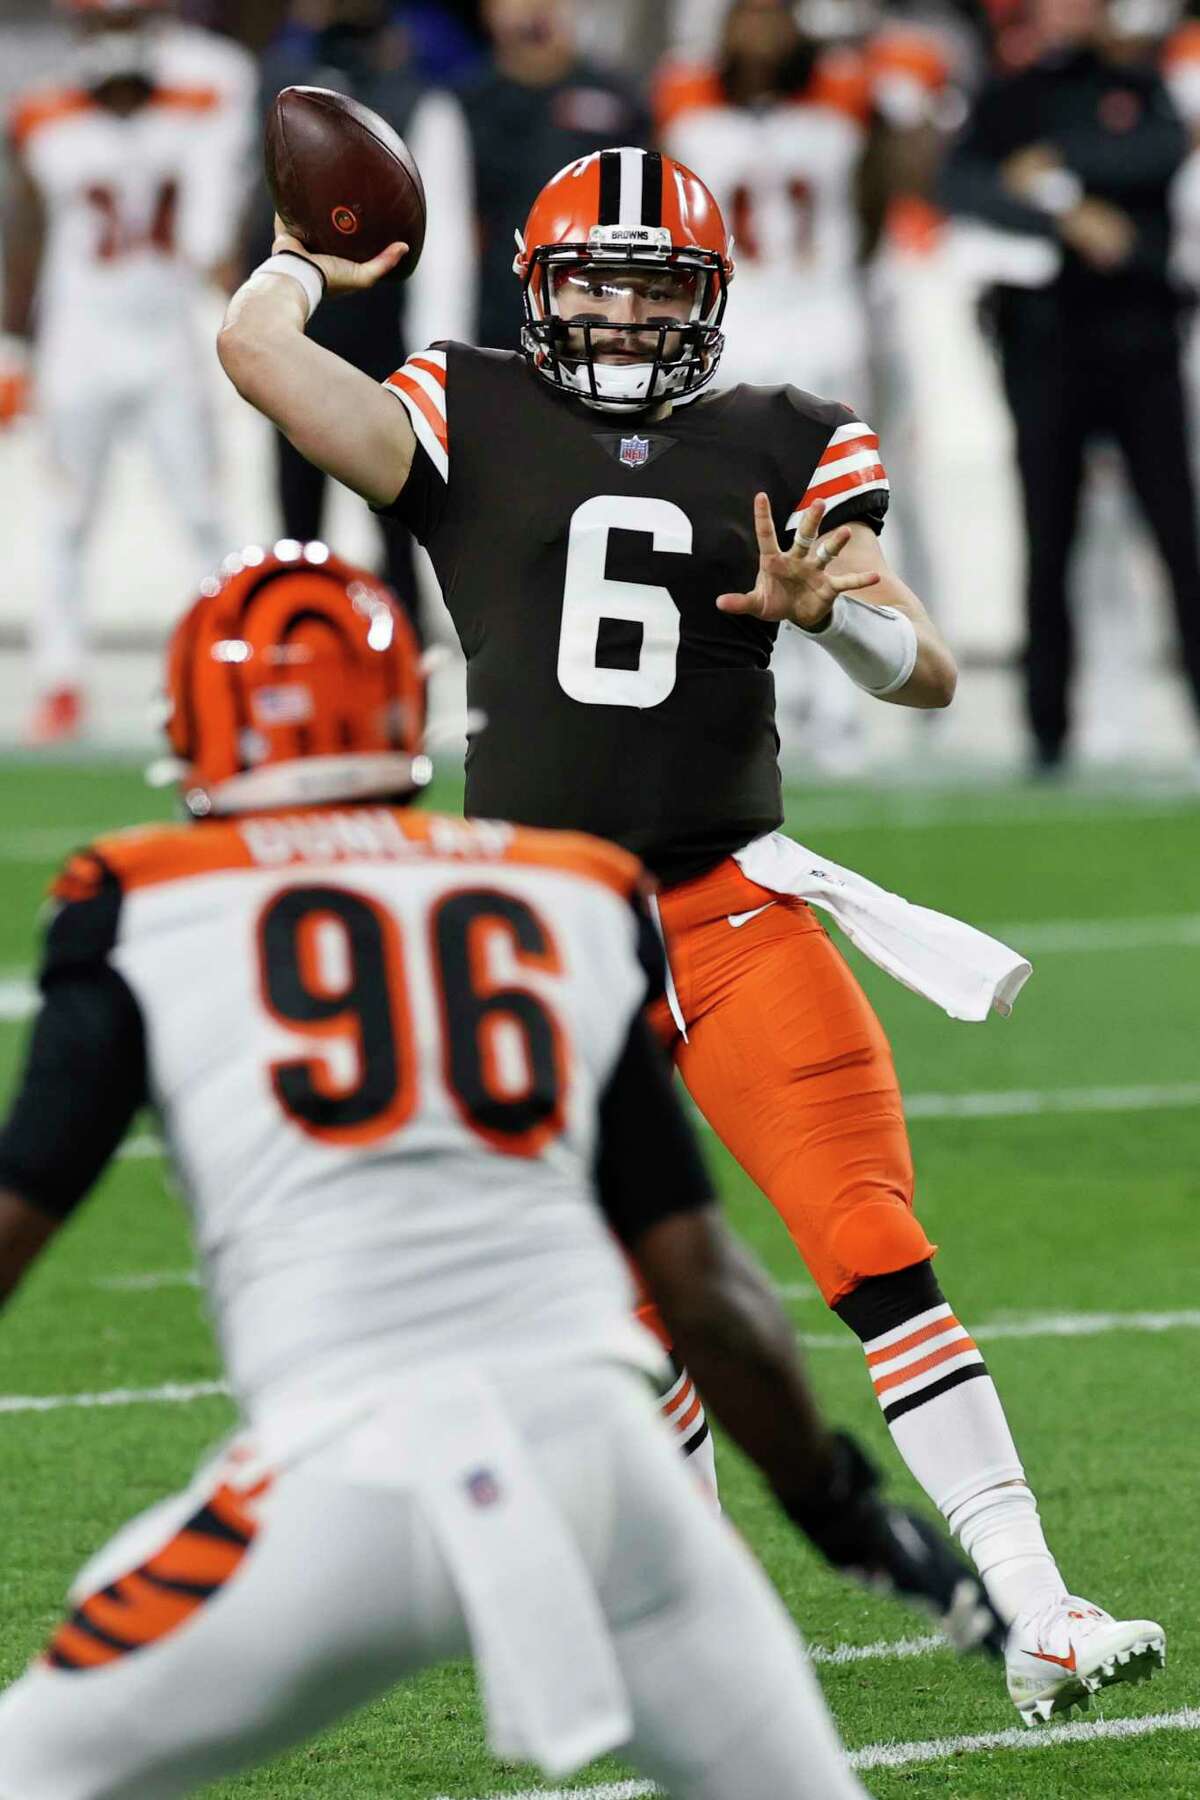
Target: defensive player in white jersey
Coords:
[[409, 1088], [782, 128], [126, 192], [794, 144]]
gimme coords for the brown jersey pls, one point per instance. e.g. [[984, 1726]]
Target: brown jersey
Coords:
[[580, 557]]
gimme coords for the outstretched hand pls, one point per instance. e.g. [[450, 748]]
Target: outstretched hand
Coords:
[[796, 586], [341, 275]]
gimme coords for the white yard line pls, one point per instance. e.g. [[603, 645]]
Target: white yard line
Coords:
[[1040, 936], [18, 997], [1159, 932], [903, 810], [884, 1650], [928, 1750], [1018, 1103], [1014, 1103], [1043, 937], [145, 1145], [149, 1283], [913, 810], [170, 1393], [1038, 1325], [1019, 1737], [46, 843]]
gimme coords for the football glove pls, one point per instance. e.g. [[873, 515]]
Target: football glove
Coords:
[[895, 1551]]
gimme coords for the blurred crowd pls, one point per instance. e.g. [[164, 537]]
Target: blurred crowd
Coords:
[[848, 142]]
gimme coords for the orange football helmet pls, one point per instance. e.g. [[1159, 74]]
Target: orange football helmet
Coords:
[[625, 210], [294, 679]]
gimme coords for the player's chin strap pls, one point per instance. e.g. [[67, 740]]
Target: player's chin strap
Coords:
[[311, 781]]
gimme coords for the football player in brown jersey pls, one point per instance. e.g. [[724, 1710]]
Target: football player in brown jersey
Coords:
[[607, 528]]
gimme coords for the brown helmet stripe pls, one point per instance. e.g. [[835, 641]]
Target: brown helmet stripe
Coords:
[[610, 187], [652, 188]]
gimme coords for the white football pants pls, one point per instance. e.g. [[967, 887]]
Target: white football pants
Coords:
[[158, 396], [344, 1592]]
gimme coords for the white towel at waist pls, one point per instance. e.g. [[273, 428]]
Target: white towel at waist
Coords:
[[552, 1689], [962, 970]]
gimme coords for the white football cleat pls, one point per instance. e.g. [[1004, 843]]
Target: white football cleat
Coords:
[[1061, 1654]]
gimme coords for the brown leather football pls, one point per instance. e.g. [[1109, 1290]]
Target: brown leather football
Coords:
[[342, 180]]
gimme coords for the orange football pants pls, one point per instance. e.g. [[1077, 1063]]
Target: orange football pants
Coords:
[[787, 1061]]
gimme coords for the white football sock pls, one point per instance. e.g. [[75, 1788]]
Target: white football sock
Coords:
[[57, 627], [683, 1411], [945, 1417], [1002, 1534]]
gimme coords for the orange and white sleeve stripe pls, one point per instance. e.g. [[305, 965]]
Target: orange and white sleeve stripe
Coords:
[[849, 466], [681, 1407], [420, 386], [921, 1359]]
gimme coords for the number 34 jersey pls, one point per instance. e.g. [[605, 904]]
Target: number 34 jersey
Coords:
[[378, 1042], [581, 556], [136, 207]]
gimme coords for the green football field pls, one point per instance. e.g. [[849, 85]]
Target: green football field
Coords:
[[1058, 1157]]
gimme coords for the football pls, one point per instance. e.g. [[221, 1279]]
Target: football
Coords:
[[342, 180]]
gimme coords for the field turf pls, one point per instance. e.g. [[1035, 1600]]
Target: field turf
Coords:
[[1076, 1198]]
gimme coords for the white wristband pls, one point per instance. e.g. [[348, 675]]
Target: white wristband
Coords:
[[876, 645], [301, 269], [1056, 191]]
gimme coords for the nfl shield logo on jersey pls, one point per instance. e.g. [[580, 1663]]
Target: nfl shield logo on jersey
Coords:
[[635, 451]]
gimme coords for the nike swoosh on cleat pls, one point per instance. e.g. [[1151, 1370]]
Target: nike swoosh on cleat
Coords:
[[1064, 1662]]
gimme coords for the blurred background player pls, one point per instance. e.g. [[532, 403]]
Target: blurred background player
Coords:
[[354, 47], [1075, 155], [126, 193], [785, 121], [537, 102], [783, 129]]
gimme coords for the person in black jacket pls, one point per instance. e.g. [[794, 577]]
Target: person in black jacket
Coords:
[[534, 106], [355, 48], [1079, 150]]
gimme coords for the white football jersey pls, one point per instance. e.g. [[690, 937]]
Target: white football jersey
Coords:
[[784, 177], [136, 208], [188, 59], [377, 1040]]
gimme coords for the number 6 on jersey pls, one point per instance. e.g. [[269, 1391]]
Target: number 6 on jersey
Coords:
[[591, 596]]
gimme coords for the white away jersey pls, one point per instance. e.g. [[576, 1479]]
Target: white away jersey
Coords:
[[378, 1040], [784, 177], [136, 208]]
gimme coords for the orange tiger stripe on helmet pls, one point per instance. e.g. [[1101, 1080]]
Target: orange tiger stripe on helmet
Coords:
[[290, 654]]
